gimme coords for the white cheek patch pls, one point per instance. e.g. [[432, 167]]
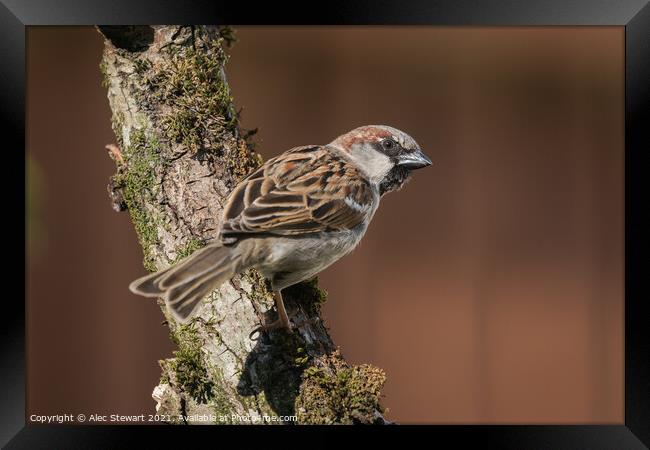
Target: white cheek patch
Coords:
[[376, 165]]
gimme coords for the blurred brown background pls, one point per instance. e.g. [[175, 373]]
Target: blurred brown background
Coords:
[[490, 289]]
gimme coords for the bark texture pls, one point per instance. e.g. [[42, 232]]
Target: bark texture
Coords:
[[180, 152]]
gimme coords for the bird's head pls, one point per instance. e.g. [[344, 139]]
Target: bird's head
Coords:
[[385, 154]]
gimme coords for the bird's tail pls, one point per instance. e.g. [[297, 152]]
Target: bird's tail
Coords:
[[184, 284]]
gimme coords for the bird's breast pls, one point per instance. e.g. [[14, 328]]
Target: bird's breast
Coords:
[[298, 259]]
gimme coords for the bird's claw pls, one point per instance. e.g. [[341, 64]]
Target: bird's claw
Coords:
[[265, 328]]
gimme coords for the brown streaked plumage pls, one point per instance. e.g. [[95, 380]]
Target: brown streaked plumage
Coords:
[[292, 217], [295, 193]]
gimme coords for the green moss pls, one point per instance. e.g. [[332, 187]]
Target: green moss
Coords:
[[192, 245], [181, 127], [117, 123], [227, 33], [103, 69], [198, 109], [261, 292], [141, 65], [334, 392], [219, 402], [137, 178], [301, 358], [188, 367], [192, 85]]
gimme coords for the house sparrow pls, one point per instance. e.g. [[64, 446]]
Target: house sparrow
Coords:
[[293, 217]]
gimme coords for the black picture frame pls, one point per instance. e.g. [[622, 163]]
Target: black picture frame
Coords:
[[634, 15]]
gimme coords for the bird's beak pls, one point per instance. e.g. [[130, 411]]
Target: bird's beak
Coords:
[[414, 160]]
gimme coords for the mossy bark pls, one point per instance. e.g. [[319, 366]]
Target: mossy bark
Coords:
[[181, 152]]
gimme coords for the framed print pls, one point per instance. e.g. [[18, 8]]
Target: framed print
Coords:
[[426, 216]]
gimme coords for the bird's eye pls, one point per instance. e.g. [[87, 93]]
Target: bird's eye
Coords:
[[388, 144]]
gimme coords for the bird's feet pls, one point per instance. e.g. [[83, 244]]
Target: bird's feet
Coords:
[[266, 327], [283, 321], [278, 325]]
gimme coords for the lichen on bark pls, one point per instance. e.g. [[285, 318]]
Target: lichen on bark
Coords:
[[182, 152], [334, 392]]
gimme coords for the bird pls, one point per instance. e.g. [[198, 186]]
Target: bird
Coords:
[[292, 217]]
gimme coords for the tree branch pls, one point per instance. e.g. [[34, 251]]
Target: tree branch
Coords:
[[180, 152]]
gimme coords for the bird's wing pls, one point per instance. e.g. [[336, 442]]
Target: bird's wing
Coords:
[[305, 190]]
